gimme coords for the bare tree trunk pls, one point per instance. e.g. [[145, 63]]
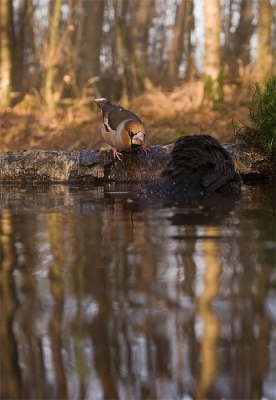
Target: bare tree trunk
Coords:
[[120, 9], [213, 85], [143, 13], [20, 45], [69, 46], [237, 45], [176, 48], [92, 35], [51, 68], [244, 32], [34, 77], [190, 60], [264, 65], [6, 46], [26, 61]]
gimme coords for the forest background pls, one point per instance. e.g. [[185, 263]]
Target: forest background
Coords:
[[185, 66]]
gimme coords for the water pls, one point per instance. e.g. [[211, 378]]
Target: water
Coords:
[[109, 297]]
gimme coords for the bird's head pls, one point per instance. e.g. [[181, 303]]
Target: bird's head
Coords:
[[132, 134]]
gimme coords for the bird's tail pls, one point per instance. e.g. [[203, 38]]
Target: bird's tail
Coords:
[[101, 102]]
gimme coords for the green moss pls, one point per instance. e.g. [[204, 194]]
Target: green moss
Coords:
[[220, 80], [208, 86], [213, 88]]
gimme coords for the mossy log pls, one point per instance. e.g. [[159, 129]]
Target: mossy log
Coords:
[[90, 165]]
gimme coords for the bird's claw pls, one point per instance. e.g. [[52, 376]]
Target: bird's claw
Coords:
[[143, 150], [117, 154]]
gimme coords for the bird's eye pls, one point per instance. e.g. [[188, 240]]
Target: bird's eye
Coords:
[[131, 134]]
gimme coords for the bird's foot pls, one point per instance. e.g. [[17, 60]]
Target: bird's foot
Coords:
[[143, 150], [117, 154]]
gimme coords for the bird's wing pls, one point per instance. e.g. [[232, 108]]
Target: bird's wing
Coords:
[[114, 115]]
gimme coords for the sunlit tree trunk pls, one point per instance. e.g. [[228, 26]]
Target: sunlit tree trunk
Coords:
[[92, 35], [51, 60], [213, 85], [264, 65], [6, 46], [176, 48]]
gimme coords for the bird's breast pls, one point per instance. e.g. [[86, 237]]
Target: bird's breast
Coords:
[[109, 137]]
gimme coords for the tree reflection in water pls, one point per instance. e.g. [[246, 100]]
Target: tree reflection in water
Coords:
[[106, 298]]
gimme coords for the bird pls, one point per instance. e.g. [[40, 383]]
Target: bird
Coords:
[[122, 129], [198, 165]]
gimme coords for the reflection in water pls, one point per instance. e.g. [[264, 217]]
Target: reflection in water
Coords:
[[107, 297], [211, 324]]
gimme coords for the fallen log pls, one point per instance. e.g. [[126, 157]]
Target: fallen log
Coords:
[[89, 165], [82, 166]]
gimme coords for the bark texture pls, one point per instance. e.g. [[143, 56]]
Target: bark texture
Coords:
[[52, 61], [89, 165]]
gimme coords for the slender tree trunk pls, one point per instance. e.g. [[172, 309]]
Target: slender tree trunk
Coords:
[[213, 84], [20, 45], [264, 65], [92, 34], [6, 46], [176, 48], [244, 32], [120, 22], [26, 63], [237, 45], [51, 68], [70, 44], [143, 13], [33, 59], [191, 67]]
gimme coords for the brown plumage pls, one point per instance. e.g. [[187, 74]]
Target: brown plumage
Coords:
[[122, 129], [198, 165]]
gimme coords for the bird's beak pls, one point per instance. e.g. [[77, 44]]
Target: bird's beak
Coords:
[[138, 139]]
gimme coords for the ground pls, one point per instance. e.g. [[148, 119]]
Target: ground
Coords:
[[77, 126]]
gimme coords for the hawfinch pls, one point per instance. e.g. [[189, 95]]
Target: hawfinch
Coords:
[[122, 129], [198, 165]]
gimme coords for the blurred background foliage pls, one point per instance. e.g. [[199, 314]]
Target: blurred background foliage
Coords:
[[163, 58]]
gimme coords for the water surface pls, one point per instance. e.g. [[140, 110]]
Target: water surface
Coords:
[[105, 296]]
